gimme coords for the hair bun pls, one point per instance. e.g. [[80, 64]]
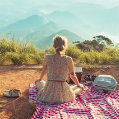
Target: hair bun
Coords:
[[60, 48], [59, 43]]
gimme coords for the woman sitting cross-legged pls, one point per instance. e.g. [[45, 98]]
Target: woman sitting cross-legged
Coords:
[[56, 90]]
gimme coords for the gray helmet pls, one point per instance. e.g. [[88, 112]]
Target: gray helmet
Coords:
[[105, 82]]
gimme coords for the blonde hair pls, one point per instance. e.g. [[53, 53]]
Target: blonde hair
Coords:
[[60, 44]]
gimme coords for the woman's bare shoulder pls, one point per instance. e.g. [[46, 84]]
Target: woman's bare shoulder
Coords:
[[69, 57]]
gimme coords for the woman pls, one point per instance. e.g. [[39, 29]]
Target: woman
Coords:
[[56, 90]]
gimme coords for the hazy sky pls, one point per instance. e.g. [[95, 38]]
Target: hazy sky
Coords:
[[34, 3], [16, 8], [13, 10], [9, 7]]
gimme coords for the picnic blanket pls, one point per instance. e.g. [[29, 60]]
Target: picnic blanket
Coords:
[[88, 105]]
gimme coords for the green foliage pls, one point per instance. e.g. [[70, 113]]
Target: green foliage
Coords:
[[113, 53], [14, 52], [27, 48], [103, 40], [90, 45], [99, 43], [39, 57], [87, 57], [107, 56], [8, 46], [50, 51], [74, 52], [18, 59]]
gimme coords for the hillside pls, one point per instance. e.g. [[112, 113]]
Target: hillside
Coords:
[[39, 30], [86, 19], [25, 26], [40, 33], [47, 42]]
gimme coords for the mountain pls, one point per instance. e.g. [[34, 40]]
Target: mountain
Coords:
[[64, 19], [23, 27], [84, 19], [87, 19], [40, 30], [43, 32], [60, 16], [95, 18], [47, 42]]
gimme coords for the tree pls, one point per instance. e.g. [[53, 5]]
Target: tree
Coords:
[[88, 45], [103, 40]]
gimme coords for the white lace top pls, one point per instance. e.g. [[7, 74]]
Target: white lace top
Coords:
[[57, 67]]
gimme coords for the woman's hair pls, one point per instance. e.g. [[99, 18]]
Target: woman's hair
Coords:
[[59, 43]]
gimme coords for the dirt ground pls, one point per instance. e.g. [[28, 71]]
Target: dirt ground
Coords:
[[20, 77]]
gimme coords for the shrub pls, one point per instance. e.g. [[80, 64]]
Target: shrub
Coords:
[[50, 51], [8, 46], [14, 52], [87, 57], [38, 58], [27, 48], [74, 52]]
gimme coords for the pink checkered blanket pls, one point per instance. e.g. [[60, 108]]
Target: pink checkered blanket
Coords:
[[89, 105]]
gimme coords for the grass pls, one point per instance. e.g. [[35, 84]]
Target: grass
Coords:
[[17, 53], [14, 52]]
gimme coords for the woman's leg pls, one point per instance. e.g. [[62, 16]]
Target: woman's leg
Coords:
[[74, 87], [77, 90], [40, 85]]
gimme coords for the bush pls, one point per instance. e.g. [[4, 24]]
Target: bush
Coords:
[[50, 51], [38, 58], [16, 58], [14, 52], [74, 52], [8, 46], [27, 48], [114, 55], [87, 58]]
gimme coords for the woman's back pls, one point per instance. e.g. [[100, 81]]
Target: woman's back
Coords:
[[57, 67], [56, 89]]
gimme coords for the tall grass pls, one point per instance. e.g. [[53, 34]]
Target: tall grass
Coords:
[[74, 52], [14, 52], [108, 56]]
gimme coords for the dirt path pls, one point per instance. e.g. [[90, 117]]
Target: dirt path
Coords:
[[20, 77]]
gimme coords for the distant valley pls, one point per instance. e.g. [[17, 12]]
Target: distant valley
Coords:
[[39, 31]]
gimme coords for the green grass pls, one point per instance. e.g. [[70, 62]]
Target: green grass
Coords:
[[14, 52], [17, 53]]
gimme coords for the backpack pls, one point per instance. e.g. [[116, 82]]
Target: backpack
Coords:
[[89, 79], [105, 83]]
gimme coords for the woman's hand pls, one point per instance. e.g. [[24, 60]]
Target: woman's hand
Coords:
[[38, 80], [81, 86]]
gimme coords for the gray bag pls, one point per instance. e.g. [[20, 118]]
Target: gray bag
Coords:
[[104, 83]]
